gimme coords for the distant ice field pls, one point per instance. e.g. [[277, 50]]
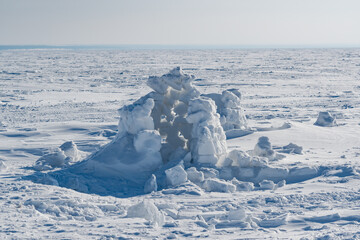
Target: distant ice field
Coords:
[[89, 85]]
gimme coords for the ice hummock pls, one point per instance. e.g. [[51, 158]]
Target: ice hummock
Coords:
[[172, 137], [151, 130]]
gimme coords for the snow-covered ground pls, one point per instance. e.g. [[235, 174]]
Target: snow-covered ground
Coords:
[[49, 97]]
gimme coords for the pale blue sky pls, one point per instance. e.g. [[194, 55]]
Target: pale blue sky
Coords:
[[181, 22]]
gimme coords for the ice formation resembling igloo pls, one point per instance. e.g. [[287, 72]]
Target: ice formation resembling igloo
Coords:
[[173, 136], [171, 121]]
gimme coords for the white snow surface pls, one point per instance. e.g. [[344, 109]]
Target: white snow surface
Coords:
[[69, 98]]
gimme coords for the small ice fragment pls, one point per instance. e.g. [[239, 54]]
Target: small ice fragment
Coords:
[[194, 175], [264, 149], [70, 150], [280, 184], [325, 119], [218, 185], [176, 175], [267, 185], [150, 185], [148, 211], [242, 186]]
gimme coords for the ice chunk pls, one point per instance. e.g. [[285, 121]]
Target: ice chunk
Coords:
[[176, 175], [272, 173], [231, 113], [194, 175], [151, 185], [208, 140], [263, 148], [242, 186], [230, 100], [259, 162], [175, 79], [51, 160], [297, 174], [66, 154], [148, 211], [267, 185], [147, 141], [210, 172], [240, 158], [243, 160], [136, 117], [325, 119], [280, 184], [218, 185], [172, 93], [70, 150]]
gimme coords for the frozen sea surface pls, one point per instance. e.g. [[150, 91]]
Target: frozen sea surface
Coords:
[[48, 97]]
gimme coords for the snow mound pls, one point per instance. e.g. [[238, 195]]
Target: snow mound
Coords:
[[325, 119]]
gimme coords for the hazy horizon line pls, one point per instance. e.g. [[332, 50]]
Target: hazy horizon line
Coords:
[[172, 46]]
